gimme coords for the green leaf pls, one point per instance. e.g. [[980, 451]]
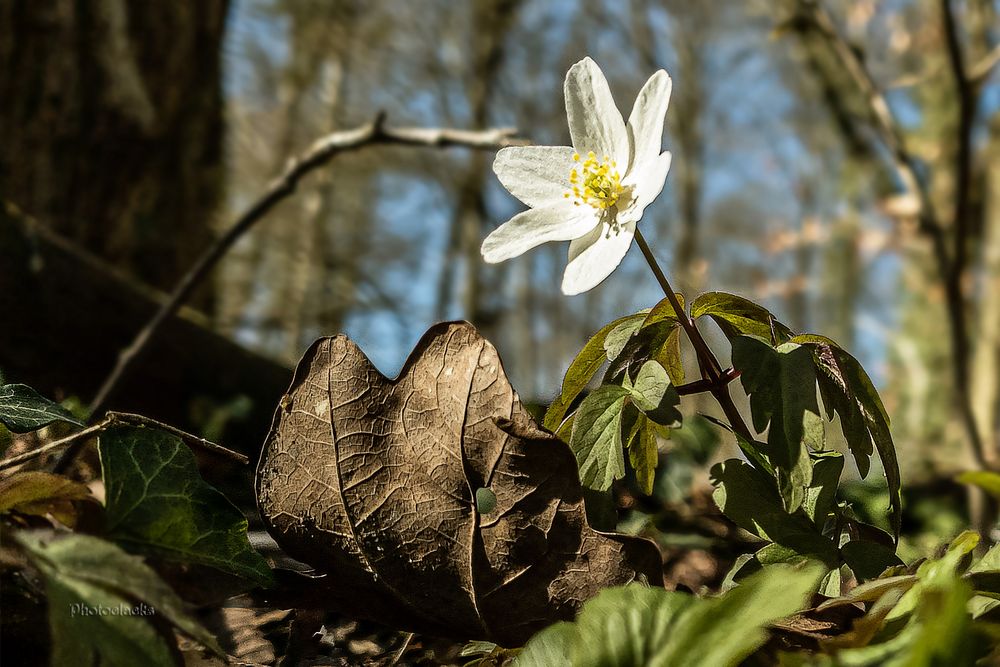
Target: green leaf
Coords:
[[636, 626], [872, 590], [821, 496], [663, 311], [596, 439], [486, 500], [669, 355], [158, 503], [39, 493], [848, 391], [929, 625], [643, 454], [89, 582], [582, 369], [549, 648], [987, 481], [781, 383], [619, 336], [868, 560], [23, 409], [647, 344], [650, 387], [738, 316], [750, 500], [655, 395]]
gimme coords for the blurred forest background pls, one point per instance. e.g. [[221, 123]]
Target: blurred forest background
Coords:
[[132, 133]]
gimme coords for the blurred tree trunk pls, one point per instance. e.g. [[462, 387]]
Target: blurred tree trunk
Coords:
[[111, 125], [985, 381], [492, 19]]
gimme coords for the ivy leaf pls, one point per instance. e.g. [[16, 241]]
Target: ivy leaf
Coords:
[[39, 493], [85, 574], [781, 383], [635, 626], [848, 391], [596, 439], [158, 503], [22, 409], [582, 369], [738, 316]]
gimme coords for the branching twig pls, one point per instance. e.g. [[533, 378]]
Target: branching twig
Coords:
[[318, 154], [116, 419]]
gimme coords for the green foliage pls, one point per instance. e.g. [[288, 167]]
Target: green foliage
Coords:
[[634, 402], [751, 500], [781, 384], [37, 493], [738, 316], [157, 503], [22, 409], [638, 626], [923, 617], [100, 602], [597, 437], [583, 369], [985, 480], [848, 391]]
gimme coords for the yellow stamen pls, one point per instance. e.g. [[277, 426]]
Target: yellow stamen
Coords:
[[597, 183]]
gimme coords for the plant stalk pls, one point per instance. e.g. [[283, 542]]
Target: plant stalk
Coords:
[[709, 365]]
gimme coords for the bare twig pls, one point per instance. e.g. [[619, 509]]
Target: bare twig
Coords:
[[717, 380], [121, 419], [950, 265], [317, 155], [398, 655]]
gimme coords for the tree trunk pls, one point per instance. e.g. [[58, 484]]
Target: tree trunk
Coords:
[[111, 125]]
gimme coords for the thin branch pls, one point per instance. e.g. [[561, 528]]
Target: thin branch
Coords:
[[967, 103], [717, 380], [398, 655], [317, 155], [819, 20], [126, 419]]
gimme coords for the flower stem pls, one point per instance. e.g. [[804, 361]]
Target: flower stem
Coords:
[[709, 365]]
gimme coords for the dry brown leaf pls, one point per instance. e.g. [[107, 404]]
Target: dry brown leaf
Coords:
[[374, 482]]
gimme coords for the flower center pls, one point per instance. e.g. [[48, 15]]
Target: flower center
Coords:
[[594, 182]]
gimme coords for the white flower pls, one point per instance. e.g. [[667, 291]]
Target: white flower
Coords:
[[594, 193]]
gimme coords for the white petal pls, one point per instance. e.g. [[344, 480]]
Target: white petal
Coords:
[[645, 123], [595, 124], [536, 226], [537, 175], [647, 182], [593, 257]]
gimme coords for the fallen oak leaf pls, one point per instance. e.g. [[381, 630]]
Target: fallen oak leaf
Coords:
[[374, 482]]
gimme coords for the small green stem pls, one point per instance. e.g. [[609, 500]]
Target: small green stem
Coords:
[[709, 365]]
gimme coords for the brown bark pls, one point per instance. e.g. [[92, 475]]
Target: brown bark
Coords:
[[111, 126]]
